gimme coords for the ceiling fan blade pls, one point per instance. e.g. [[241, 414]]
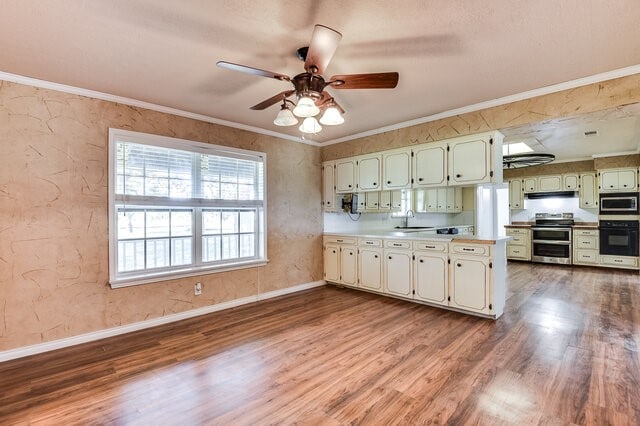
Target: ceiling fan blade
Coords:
[[383, 80], [324, 42], [273, 100], [251, 70]]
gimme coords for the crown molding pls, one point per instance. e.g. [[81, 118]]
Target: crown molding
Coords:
[[14, 78], [609, 75]]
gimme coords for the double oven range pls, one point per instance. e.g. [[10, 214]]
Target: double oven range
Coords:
[[618, 224], [552, 238]]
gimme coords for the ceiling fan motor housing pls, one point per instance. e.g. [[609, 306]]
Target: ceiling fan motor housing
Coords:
[[307, 84]]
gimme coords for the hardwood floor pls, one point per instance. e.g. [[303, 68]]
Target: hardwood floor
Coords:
[[565, 351]]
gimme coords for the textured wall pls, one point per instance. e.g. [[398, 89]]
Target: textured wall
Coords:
[[551, 169], [593, 97], [618, 161], [53, 217]]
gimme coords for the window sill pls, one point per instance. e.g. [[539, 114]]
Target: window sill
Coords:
[[149, 278]]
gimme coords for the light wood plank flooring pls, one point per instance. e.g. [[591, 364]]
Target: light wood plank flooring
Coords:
[[565, 352]]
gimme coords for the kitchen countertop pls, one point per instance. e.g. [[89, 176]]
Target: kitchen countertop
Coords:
[[579, 225], [425, 236]]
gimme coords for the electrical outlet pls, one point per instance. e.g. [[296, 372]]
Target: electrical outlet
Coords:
[[197, 289]]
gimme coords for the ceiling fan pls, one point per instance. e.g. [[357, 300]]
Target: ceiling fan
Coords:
[[309, 86]]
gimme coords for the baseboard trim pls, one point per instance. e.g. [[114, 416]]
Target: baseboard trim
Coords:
[[123, 329]]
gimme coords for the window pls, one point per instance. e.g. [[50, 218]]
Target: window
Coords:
[[180, 208]]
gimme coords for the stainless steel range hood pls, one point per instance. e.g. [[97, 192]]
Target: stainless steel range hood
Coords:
[[556, 194]]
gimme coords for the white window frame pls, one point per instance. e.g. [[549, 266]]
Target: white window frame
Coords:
[[149, 276]]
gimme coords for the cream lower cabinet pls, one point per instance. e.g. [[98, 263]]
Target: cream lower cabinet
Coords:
[[586, 247], [370, 264], [340, 260], [519, 246], [431, 272], [397, 268], [470, 278]]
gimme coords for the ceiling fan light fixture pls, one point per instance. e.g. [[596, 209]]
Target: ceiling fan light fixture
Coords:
[[285, 117], [306, 107], [310, 125], [332, 117]]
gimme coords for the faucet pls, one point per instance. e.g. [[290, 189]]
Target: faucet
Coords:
[[406, 218]]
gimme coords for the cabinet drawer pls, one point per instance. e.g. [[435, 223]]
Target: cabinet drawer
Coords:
[[586, 256], [517, 252], [430, 246], [586, 242], [518, 240], [517, 231], [619, 261], [470, 249], [397, 244], [339, 240], [586, 232], [370, 242]]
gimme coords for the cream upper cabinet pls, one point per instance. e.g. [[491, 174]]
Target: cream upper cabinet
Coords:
[[570, 182], [430, 165], [453, 202], [368, 172], [588, 191], [431, 277], [441, 202], [530, 184], [396, 200], [550, 183], [431, 200], [474, 159], [516, 195], [328, 187], [372, 200], [618, 180], [345, 175], [396, 168], [385, 200]]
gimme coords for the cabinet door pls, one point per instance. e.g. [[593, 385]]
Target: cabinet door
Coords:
[[396, 168], [348, 266], [550, 183], [469, 162], [373, 200], [442, 200], [362, 201], [570, 182], [431, 199], [431, 277], [385, 200], [450, 200], [396, 200], [530, 185], [588, 191], [369, 173], [370, 269], [516, 199], [627, 180], [328, 187], [430, 166], [609, 180], [470, 278], [345, 176], [397, 272], [332, 262]]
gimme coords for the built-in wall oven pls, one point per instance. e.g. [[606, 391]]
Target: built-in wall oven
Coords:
[[619, 203], [619, 237], [551, 238]]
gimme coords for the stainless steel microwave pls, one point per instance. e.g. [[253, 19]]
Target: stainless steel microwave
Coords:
[[619, 203]]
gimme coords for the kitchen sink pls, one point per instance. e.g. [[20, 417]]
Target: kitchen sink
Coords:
[[413, 228]]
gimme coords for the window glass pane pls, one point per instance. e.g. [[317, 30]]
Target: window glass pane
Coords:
[[229, 222], [181, 223], [181, 251], [247, 221], [247, 245], [130, 224], [130, 255], [180, 188], [210, 190], [134, 185], [211, 222], [230, 246], [211, 248], [157, 223], [228, 191], [157, 253]]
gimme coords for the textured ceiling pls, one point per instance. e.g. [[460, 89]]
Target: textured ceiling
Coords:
[[449, 54]]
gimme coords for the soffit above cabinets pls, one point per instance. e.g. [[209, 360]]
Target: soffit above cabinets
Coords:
[[449, 54]]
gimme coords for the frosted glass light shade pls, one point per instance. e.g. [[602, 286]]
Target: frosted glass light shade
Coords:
[[285, 118], [332, 117], [310, 125], [306, 107]]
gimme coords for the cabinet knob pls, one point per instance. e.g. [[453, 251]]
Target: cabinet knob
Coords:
[[349, 186], [459, 265], [375, 256], [388, 182], [420, 179], [334, 251], [350, 253], [421, 261], [374, 184], [458, 175], [389, 257]]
